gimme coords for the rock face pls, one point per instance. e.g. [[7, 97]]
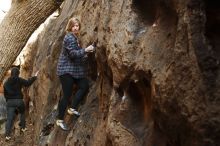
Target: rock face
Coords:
[[155, 74], [2, 108]]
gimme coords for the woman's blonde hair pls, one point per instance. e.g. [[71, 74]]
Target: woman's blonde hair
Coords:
[[71, 23]]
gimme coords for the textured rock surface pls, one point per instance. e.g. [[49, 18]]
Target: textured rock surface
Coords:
[[161, 56]]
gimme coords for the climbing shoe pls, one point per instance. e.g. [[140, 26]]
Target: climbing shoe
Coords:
[[7, 138], [23, 130], [72, 111], [62, 125]]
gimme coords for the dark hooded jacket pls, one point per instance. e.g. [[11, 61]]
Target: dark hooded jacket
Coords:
[[13, 85]]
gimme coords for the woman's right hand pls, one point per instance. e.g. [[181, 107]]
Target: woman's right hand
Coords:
[[36, 73], [90, 48]]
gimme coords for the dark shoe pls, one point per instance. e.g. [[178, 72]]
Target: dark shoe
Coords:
[[58, 2], [62, 125]]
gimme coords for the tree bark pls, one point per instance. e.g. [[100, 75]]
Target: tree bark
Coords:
[[24, 17]]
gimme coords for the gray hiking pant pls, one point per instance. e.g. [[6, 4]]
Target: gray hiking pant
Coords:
[[14, 105]]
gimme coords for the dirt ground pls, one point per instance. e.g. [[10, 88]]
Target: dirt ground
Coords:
[[18, 139]]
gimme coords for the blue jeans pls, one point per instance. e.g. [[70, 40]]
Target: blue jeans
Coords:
[[67, 82], [12, 106]]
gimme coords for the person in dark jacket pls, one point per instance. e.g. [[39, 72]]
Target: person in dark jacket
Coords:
[[71, 70], [14, 98]]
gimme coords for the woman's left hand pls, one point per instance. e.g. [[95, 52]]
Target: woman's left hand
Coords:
[[89, 48]]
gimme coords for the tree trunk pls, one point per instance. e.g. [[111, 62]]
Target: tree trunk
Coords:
[[21, 21]]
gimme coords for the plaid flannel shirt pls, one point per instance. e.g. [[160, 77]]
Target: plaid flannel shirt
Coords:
[[72, 58]]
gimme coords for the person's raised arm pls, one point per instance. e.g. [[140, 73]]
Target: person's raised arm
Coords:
[[28, 82], [71, 45], [72, 48]]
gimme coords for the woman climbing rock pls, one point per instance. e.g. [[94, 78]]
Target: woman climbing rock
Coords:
[[71, 70]]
